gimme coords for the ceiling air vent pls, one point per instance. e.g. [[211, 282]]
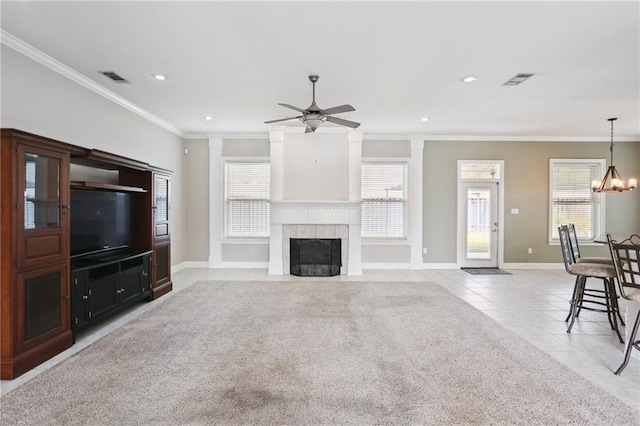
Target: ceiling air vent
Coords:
[[113, 76], [517, 79]]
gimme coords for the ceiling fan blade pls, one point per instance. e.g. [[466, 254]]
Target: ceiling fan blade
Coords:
[[342, 122], [292, 107], [338, 109], [284, 119]]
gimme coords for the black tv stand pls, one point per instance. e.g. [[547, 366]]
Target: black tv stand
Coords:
[[104, 284]]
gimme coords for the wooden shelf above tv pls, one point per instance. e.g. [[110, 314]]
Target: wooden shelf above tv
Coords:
[[107, 186]]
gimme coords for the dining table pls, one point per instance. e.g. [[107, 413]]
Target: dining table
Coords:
[[615, 236]]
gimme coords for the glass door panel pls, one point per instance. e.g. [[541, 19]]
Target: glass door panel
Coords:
[[41, 192], [478, 224]]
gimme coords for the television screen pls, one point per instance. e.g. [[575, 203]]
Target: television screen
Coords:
[[100, 220]]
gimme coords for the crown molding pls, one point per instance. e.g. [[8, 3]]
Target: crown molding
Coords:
[[503, 138], [31, 52]]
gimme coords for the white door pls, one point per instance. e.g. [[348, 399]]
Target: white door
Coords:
[[478, 224]]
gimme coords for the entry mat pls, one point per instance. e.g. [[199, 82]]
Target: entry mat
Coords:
[[485, 271]]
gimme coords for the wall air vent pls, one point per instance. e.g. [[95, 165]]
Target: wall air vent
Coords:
[[113, 76], [517, 79]]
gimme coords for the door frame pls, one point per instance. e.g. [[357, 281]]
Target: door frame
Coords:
[[461, 209]]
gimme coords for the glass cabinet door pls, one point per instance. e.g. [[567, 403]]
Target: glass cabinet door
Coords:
[[161, 207], [43, 210], [42, 305], [41, 191]]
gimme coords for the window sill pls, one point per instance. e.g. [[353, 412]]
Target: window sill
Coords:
[[385, 242], [245, 240]]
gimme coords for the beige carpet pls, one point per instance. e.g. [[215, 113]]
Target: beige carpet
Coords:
[[312, 353]]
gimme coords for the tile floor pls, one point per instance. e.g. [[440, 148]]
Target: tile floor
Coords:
[[530, 303]]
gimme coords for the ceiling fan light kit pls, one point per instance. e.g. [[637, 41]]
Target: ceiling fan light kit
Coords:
[[313, 117], [612, 181]]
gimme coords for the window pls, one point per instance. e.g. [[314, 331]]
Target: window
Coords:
[[479, 170], [572, 200], [384, 200], [247, 190]]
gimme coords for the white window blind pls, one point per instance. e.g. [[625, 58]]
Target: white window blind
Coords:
[[572, 200], [30, 193], [384, 200], [247, 191]]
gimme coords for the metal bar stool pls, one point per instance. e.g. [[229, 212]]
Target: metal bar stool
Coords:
[[582, 271], [626, 261], [575, 248]]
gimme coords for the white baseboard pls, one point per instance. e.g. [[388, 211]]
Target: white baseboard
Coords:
[[440, 266], [188, 264], [245, 265], [386, 265], [533, 266], [265, 265]]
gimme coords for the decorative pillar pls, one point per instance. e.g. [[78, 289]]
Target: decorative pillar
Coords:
[[276, 158], [415, 196], [354, 266], [216, 201]]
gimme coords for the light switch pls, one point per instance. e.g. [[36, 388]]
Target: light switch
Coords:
[[515, 211]]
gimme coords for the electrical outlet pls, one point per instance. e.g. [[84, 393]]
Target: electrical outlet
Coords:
[[530, 250]]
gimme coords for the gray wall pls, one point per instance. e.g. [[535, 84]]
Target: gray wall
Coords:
[[40, 101], [526, 188], [196, 197]]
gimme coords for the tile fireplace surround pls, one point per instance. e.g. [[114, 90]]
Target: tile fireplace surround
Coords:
[[315, 219]]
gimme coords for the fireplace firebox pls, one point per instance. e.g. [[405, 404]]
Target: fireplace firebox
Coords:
[[314, 257]]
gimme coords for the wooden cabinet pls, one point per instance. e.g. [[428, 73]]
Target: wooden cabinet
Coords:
[[161, 272], [157, 206], [40, 306], [34, 251], [100, 288]]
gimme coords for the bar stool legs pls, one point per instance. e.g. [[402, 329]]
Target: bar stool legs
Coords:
[[632, 343], [610, 304]]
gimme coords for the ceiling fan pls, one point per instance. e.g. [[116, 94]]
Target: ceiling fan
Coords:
[[313, 116]]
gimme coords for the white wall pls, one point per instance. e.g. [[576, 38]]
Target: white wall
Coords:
[[38, 100], [316, 167]]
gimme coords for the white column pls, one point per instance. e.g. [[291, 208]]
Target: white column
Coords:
[[276, 155], [354, 266], [216, 201], [415, 201]]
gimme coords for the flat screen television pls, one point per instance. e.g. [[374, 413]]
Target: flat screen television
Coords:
[[101, 221]]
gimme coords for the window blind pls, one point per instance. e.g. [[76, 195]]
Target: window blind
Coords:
[[384, 200], [29, 194], [247, 192], [572, 200]]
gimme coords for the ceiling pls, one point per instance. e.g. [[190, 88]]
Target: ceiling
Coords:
[[395, 62]]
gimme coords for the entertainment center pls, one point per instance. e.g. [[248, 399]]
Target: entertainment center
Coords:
[[72, 251]]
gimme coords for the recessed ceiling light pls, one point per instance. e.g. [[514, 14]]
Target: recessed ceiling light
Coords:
[[424, 119], [208, 117], [469, 78], [158, 76]]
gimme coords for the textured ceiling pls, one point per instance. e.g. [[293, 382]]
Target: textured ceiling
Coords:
[[395, 62]]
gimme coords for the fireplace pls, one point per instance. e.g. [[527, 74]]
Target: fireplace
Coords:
[[315, 220], [315, 257]]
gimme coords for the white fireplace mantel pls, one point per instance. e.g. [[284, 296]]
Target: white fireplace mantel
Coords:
[[315, 213]]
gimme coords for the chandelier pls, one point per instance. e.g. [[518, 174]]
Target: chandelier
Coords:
[[612, 181]]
